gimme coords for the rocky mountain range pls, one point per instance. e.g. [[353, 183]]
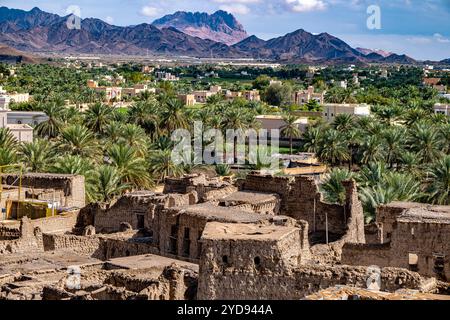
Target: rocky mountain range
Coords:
[[39, 31], [220, 26], [366, 52]]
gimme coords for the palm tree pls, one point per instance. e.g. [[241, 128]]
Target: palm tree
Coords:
[[372, 174], [439, 188], [394, 186], [425, 141], [8, 156], [135, 136], [290, 129], [343, 122], [414, 115], [98, 116], [107, 183], [162, 166], [333, 147], [79, 140], [388, 114], [7, 139], [371, 150], [393, 138], [234, 119], [145, 115], [37, 155], [131, 167], [173, 116], [77, 165], [223, 170], [444, 133], [311, 139], [52, 126], [332, 186], [410, 162], [162, 143], [70, 164]]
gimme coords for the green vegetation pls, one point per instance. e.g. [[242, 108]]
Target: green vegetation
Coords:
[[402, 153], [393, 158]]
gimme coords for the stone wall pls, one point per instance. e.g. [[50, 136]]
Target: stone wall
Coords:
[[58, 224], [293, 284], [100, 247], [30, 240], [81, 245], [207, 189], [138, 209], [302, 200], [414, 245], [8, 233]]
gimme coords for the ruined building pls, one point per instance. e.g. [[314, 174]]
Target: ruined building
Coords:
[[264, 237], [413, 236]]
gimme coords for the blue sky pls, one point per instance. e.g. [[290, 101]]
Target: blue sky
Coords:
[[419, 28]]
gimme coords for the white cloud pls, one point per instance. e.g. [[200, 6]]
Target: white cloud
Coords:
[[149, 11], [419, 40], [109, 19], [236, 8], [237, 1], [440, 38], [306, 5]]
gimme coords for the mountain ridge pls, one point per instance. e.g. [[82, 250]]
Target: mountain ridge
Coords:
[[220, 26], [38, 31]]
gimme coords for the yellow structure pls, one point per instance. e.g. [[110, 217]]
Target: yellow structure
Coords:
[[16, 210]]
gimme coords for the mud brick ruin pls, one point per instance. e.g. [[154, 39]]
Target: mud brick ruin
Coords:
[[264, 237]]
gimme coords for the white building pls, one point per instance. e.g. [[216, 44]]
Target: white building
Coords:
[[22, 132], [331, 110], [32, 118], [442, 109], [276, 122]]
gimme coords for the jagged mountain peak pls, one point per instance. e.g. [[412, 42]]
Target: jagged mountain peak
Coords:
[[220, 26]]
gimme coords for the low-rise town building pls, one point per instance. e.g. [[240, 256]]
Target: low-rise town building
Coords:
[[187, 99], [440, 108], [304, 96], [331, 110], [276, 122], [166, 76]]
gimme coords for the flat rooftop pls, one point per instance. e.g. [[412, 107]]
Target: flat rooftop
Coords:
[[253, 232], [149, 261], [43, 262], [244, 197], [421, 212], [424, 215], [221, 214]]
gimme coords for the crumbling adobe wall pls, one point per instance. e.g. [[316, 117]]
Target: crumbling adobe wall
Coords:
[[100, 247], [171, 283], [374, 233], [207, 189], [30, 240], [129, 207], [293, 284], [57, 224], [81, 245], [301, 200], [116, 248], [8, 233], [269, 184], [425, 241]]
